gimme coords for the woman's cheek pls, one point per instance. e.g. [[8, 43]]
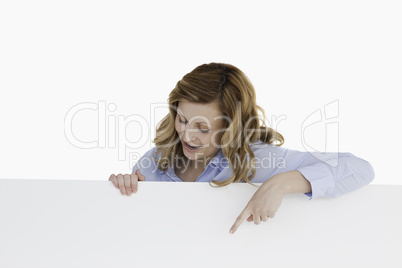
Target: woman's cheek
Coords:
[[216, 139], [210, 141], [177, 127]]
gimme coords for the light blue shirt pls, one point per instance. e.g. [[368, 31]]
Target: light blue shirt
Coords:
[[330, 174]]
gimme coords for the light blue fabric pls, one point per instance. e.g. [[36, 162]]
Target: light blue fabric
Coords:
[[330, 174]]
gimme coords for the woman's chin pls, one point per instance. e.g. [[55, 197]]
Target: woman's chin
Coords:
[[189, 155]]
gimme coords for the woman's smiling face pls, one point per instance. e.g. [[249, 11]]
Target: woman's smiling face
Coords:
[[200, 126]]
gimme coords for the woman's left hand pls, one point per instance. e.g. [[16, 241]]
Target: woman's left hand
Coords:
[[262, 205]]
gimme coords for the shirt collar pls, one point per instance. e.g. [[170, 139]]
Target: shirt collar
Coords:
[[218, 161]]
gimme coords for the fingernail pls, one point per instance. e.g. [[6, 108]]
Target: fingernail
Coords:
[[231, 231]]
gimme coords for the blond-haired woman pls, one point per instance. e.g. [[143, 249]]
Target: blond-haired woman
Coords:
[[213, 133]]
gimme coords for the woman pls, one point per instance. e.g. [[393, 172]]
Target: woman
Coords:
[[213, 134]]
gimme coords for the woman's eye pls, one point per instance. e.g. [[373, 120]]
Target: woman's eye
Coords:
[[203, 131]]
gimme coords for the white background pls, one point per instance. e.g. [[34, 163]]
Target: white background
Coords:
[[299, 55]]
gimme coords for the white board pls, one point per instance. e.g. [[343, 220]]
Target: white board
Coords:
[[60, 223]]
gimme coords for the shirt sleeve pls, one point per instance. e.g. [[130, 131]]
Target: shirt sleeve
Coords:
[[330, 174], [333, 174]]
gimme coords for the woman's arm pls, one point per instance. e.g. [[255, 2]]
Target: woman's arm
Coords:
[[290, 182], [319, 174], [333, 174], [329, 174]]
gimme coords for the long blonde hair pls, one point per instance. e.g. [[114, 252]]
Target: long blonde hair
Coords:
[[235, 94]]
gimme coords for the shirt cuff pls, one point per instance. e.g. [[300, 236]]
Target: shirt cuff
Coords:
[[320, 178]]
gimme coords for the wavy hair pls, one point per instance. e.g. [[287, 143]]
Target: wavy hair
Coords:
[[236, 97]]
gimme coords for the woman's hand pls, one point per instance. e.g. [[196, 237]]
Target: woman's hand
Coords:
[[127, 183], [262, 205], [267, 199]]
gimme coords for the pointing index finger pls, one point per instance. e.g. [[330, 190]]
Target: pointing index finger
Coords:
[[244, 215]]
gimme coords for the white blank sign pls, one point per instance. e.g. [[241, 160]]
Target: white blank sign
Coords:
[[60, 223]]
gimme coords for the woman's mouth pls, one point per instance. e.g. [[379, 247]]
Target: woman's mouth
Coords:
[[191, 148]]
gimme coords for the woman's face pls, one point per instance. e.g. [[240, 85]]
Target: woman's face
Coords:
[[199, 125]]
